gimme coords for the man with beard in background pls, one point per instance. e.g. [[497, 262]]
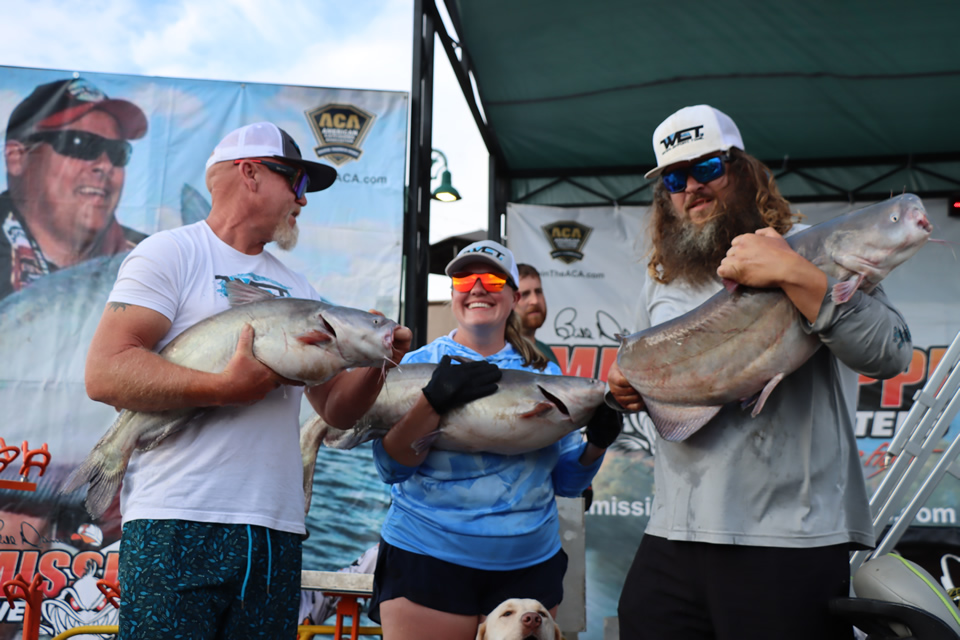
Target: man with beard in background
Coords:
[[67, 146], [753, 518], [532, 308]]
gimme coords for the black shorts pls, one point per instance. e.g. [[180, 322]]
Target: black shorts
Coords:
[[453, 588], [695, 591]]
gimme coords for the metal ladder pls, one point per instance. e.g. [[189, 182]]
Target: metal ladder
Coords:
[[934, 408]]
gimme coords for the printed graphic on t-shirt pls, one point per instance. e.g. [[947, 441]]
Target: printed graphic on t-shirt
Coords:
[[261, 282]]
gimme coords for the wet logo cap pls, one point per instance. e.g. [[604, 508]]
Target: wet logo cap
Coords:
[[489, 252], [691, 133]]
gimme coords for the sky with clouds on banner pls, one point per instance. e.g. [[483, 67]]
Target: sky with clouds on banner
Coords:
[[361, 44]]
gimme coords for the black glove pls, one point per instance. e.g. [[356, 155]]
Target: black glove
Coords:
[[455, 384], [604, 427]]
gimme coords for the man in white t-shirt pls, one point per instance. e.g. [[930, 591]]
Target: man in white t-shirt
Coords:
[[213, 516]]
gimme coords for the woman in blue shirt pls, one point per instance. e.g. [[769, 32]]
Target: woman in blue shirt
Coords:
[[466, 531]]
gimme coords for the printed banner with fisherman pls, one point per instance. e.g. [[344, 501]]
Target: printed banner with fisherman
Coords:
[[74, 199]]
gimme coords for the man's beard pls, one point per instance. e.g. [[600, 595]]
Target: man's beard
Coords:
[[692, 252], [286, 236], [531, 324]]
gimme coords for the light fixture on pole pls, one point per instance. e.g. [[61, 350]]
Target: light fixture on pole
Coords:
[[438, 166]]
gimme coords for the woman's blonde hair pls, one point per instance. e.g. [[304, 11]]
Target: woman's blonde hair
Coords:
[[531, 355]]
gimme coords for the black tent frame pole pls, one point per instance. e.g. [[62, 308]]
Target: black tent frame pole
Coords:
[[416, 223], [499, 185], [496, 200]]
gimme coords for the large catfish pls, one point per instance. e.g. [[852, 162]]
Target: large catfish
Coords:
[[303, 340], [742, 342], [529, 411]]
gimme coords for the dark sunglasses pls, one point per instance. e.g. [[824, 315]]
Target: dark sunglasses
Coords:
[[703, 172], [84, 145], [297, 177]]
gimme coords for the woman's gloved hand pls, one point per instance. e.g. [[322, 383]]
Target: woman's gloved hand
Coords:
[[604, 426], [455, 384]]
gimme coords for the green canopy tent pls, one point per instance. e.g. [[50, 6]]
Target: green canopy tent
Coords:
[[843, 100]]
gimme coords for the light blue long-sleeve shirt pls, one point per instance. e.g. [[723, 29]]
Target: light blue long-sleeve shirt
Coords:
[[485, 511]]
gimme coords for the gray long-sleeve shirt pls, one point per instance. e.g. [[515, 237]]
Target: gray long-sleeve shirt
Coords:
[[791, 477]]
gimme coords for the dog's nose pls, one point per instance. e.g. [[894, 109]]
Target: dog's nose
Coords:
[[531, 619]]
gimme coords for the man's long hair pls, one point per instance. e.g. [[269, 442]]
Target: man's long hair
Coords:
[[755, 203]]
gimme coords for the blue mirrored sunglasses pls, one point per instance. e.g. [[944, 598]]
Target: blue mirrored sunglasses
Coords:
[[703, 172], [297, 177]]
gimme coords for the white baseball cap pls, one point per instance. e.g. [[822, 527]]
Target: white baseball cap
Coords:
[[267, 140], [693, 132], [490, 252]]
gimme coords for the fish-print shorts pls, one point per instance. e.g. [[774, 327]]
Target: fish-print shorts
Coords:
[[453, 588], [182, 579]]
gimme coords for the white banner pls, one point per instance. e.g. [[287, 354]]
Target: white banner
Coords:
[[589, 262]]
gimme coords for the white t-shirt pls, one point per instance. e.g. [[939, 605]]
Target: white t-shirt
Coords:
[[237, 465]]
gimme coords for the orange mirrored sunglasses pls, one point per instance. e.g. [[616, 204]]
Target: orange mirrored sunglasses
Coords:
[[490, 281]]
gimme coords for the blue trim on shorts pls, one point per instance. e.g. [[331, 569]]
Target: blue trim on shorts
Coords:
[[199, 580]]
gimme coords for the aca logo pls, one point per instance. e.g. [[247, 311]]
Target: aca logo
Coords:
[[340, 130], [567, 239]]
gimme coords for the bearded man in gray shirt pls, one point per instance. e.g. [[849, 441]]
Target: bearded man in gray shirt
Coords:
[[753, 518]]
